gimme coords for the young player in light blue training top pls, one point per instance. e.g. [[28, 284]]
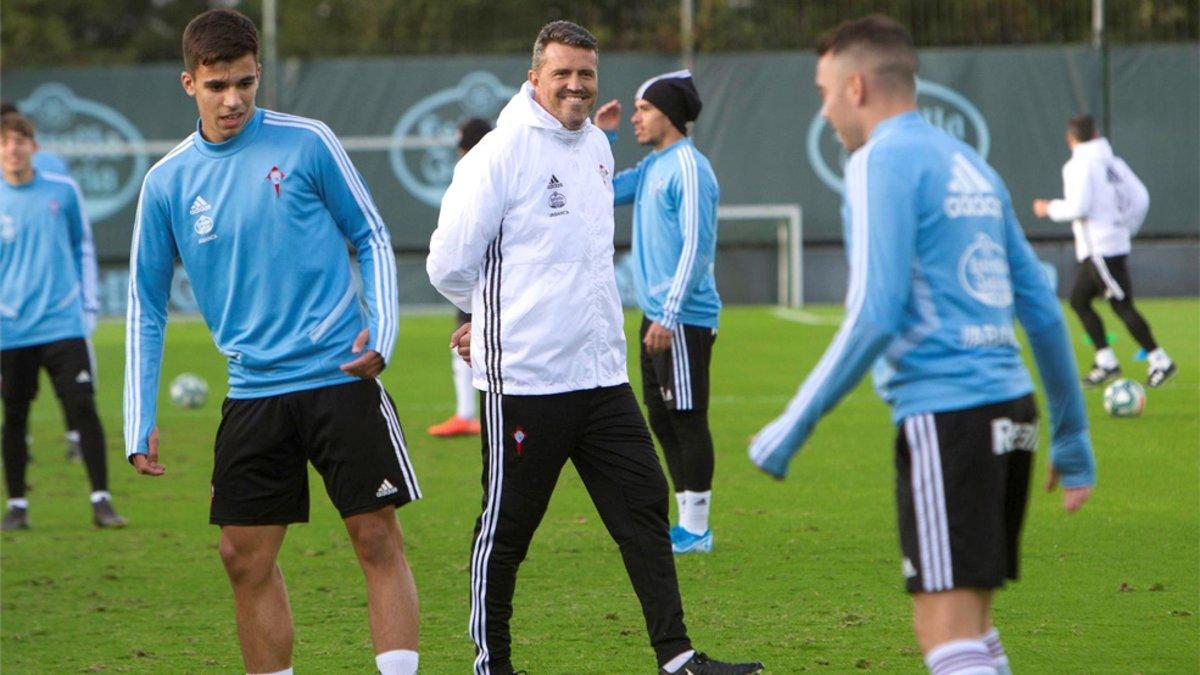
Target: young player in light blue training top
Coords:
[[939, 269], [47, 312], [674, 195], [258, 207]]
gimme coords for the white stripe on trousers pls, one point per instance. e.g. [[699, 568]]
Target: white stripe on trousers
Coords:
[[682, 369], [397, 435], [1114, 289], [487, 530], [929, 503]]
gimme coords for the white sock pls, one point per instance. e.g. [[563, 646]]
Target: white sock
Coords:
[[1158, 359], [695, 517], [991, 640], [960, 657], [18, 503], [1105, 358], [681, 502], [100, 495], [285, 671], [677, 662], [73, 436], [397, 662], [464, 391]]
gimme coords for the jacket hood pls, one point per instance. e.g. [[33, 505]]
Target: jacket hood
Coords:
[[1097, 147], [523, 110]]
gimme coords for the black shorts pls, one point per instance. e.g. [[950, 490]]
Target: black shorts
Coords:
[[69, 363], [679, 375], [962, 483], [349, 432], [1104, 277]]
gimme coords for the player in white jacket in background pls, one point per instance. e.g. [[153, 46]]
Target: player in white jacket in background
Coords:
[[1105, 203]]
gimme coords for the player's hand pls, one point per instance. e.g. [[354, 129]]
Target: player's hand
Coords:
[[460, 341], [147, 464], [658, 339], [608, 117], [1041, 208], [367, 366], [1073, 498]]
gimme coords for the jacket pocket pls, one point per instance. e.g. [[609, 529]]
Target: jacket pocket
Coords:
[[323, 327]]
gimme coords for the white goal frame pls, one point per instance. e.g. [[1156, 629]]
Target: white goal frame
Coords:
[[789, 244]]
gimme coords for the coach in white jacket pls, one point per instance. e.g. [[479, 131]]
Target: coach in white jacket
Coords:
[[525, 244], [1105, 203]]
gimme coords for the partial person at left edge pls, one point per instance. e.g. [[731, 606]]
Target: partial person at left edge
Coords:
[[48, 162], [258, 206], [48, 310]]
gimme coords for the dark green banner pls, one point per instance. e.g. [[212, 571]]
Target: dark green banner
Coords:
[[760, 126]]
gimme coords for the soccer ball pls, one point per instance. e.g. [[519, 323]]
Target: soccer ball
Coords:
[[188, 391], [1124, 398]]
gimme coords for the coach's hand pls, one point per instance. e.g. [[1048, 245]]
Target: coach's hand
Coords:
[[1073, 498], [367, 366], [1041, 207], [658, 339], [608, 117], [460, 341], [147, 464]]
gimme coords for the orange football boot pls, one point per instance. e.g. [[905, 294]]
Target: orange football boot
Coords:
[[455, 426]]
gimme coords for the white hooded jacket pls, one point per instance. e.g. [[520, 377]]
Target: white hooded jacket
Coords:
[[524, 243], [1102, 198]]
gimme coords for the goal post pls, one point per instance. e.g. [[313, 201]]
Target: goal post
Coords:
[[789, 243]]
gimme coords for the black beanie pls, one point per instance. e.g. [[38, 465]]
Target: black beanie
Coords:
[[471, 132], [675, 95]]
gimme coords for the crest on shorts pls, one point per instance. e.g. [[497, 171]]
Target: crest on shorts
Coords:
[[519, 437]]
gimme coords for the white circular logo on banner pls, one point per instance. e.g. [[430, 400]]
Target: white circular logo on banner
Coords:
[[424, 168], [109, 182], [941, 106]]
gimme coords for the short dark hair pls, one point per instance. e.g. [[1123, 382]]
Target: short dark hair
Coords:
[[879, 34], [15, 122], [218, 35], [1082, 127], [471, 131], [564, 33], [7, 107]]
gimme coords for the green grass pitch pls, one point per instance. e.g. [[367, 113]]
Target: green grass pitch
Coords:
[[805, 575]]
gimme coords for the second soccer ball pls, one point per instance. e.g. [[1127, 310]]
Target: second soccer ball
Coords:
[[1124, 398], [189, 391]]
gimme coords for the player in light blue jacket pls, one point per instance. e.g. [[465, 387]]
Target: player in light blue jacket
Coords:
[[674, 195], [258, 207], [939, 269], [47, 312]]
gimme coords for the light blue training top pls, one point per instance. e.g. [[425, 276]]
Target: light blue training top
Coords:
[[260, 224], [675, 195], [47, 262], [939, 270]]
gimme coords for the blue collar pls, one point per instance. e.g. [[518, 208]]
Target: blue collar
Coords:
[[686, 140], [895, 121], [241, 140]]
